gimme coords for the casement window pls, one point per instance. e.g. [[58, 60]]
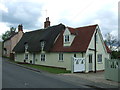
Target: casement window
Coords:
[[60, 56], [26, 47], [99, 57], [90, 58], [74, 55], [42, 57], [66, 38], [42, 44], [26, 55]]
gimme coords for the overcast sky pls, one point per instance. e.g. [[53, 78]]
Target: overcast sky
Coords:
[[73, 13]]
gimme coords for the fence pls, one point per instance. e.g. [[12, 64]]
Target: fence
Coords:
[[112, 69]]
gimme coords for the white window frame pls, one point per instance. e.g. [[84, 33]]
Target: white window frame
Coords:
[[60, 57], [99, 58], [26, 46], [43, 57], [25, 56], [42, 44], [67, 38]]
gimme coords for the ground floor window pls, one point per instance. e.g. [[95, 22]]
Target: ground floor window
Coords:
[[42, 57], [74, 55], [90, 58], [26, 55], [61, 56], [99, 57]]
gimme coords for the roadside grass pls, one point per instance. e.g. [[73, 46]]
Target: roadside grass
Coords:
[[44, 68], [48, 69]]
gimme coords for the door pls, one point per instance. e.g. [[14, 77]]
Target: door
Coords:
[[90, 62], [34, 58]]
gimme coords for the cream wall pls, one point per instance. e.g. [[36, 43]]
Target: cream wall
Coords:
[[7, 45], [52, 59], [11, 43], [100, 50]]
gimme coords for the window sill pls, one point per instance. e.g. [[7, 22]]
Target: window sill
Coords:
[[42, 61], [66, 42], [100, 63], [60, 61]]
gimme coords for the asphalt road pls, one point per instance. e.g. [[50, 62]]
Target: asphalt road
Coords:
[[14, 76]]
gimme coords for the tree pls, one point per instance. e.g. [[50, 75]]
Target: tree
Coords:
[[113, 44], [111, 41], [8, 33]]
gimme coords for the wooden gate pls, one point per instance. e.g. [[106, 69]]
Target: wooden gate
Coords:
[[78, 64]]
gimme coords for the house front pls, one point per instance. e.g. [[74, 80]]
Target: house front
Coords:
[[55, 46]]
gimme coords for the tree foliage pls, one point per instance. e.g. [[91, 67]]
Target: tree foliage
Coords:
[[8, 33], [113, 44], [111, 41]]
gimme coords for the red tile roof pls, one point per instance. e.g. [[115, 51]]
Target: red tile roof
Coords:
[[108, 50], [80, 43]]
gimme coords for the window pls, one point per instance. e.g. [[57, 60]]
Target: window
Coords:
[[26, 55], [26, 46], [42, 57], [90, 58], [99, 57], [61, 56], [66, 38], [42, 44], [74, 55]]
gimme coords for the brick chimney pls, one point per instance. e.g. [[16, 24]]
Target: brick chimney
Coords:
[[20, 27], [47, 23]]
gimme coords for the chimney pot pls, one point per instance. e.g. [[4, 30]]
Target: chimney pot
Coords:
[[47, 23], [20, 27]]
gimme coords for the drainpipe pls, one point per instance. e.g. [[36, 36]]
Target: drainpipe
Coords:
[[95, 50]]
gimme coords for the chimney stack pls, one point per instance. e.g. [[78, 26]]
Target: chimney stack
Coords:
[[20, 27], [47, 23]]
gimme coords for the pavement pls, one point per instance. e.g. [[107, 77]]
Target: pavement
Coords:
[[97, 77]]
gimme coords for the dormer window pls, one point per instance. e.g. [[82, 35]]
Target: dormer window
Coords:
[[66, 38], [26, 46], [42, 44]]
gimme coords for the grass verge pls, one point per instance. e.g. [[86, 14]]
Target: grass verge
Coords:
[[48, 69]]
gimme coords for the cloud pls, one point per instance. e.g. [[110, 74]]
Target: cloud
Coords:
[[22, 13], [73, 13]]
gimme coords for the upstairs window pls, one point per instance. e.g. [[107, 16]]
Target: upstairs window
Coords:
[[26, 46], [66, 38], [42, 43]]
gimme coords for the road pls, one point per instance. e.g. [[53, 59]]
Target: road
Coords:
[[14, 76], [19, 77]]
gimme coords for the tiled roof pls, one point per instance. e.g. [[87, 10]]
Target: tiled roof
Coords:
[[80, 43]]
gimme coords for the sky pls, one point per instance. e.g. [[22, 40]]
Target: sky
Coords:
[[73, 13]]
